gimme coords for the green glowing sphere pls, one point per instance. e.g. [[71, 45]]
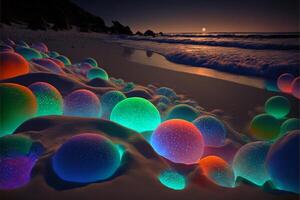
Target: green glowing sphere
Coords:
[[64, 59], [265, 127], [17, 104], [49, 99], [136, 113], [97, 73], [289, 125], [14, 145], [91, 61], [278, 106], [173, 180]]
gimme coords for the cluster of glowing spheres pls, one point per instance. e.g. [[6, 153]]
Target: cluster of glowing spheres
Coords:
[[277, 106], [28, 53], [49, 64], [97, 73], [212, 129], [217, 170], [136, 113], [64, 59], [296, 87], [49, 99], [82, 103], [178, 141], [12, 65], [284, 82], [91, 61], [86, 158], [18, 104], [249, 162], [18, 155], [172, 179], [168, 92], [265, 127], [182, 111], [109, 100], [283, 162], [289, 125]]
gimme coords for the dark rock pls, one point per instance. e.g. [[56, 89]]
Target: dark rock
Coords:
[[139, 33], [149, 33], [118, 28]]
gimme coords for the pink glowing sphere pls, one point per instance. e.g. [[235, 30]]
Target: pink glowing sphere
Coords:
[[284, 82], [40, 46], [179, 141], [296, 87]]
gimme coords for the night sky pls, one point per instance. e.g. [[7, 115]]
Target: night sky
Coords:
[[193, 15]]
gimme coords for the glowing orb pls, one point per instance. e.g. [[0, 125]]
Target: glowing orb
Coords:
[[108, 102], [283, 162], [15, 172], [84, 68], [28, 53], [64, 59], [49, 64], [212, 129], [277, 106], [284, 82], [15, 145], [53, 54], [289, 125], [128, 86], [18, 104], [168, 92], [173, 180], [49, 99], [91, 61], [40, 46], [97, 73], [182, 111], [217, 170], [86, 158], [179, 141], [264, 127], [82, 103], [12, 65], [164, 99], [136, 113], [296, 87], [249, 162]]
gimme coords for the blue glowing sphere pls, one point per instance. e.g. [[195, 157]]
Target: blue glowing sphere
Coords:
[[165, 91], [212, 129], [82, 103], [86, 158], [249, 162], [182, 111], [283, 162], [108, 102]]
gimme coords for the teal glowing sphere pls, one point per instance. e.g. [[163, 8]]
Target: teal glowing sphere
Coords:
[[91, 61], [278, 106], [17, 104], [97, 73], [28, 53], [49, 99], [53, 54], [173, 180], [64, 59], [249, 162], [289, 125], [265, 127], [182, 111], [108, 102], [136, 113]]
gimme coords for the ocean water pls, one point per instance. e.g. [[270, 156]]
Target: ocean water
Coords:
[[264, 55]]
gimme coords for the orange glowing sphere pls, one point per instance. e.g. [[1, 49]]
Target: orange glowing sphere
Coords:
[[12, 65], [217, 170]]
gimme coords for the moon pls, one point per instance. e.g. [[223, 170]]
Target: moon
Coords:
[[203, 29]]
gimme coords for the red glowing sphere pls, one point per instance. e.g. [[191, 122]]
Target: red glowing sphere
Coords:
[[12, 65]]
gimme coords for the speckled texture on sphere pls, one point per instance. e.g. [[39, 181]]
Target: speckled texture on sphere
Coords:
[[108, 102], [49, 99], [136, 113], [249, 162], [82, 103], [179, 141], [86, 158], [212, 129], [283, 162]]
